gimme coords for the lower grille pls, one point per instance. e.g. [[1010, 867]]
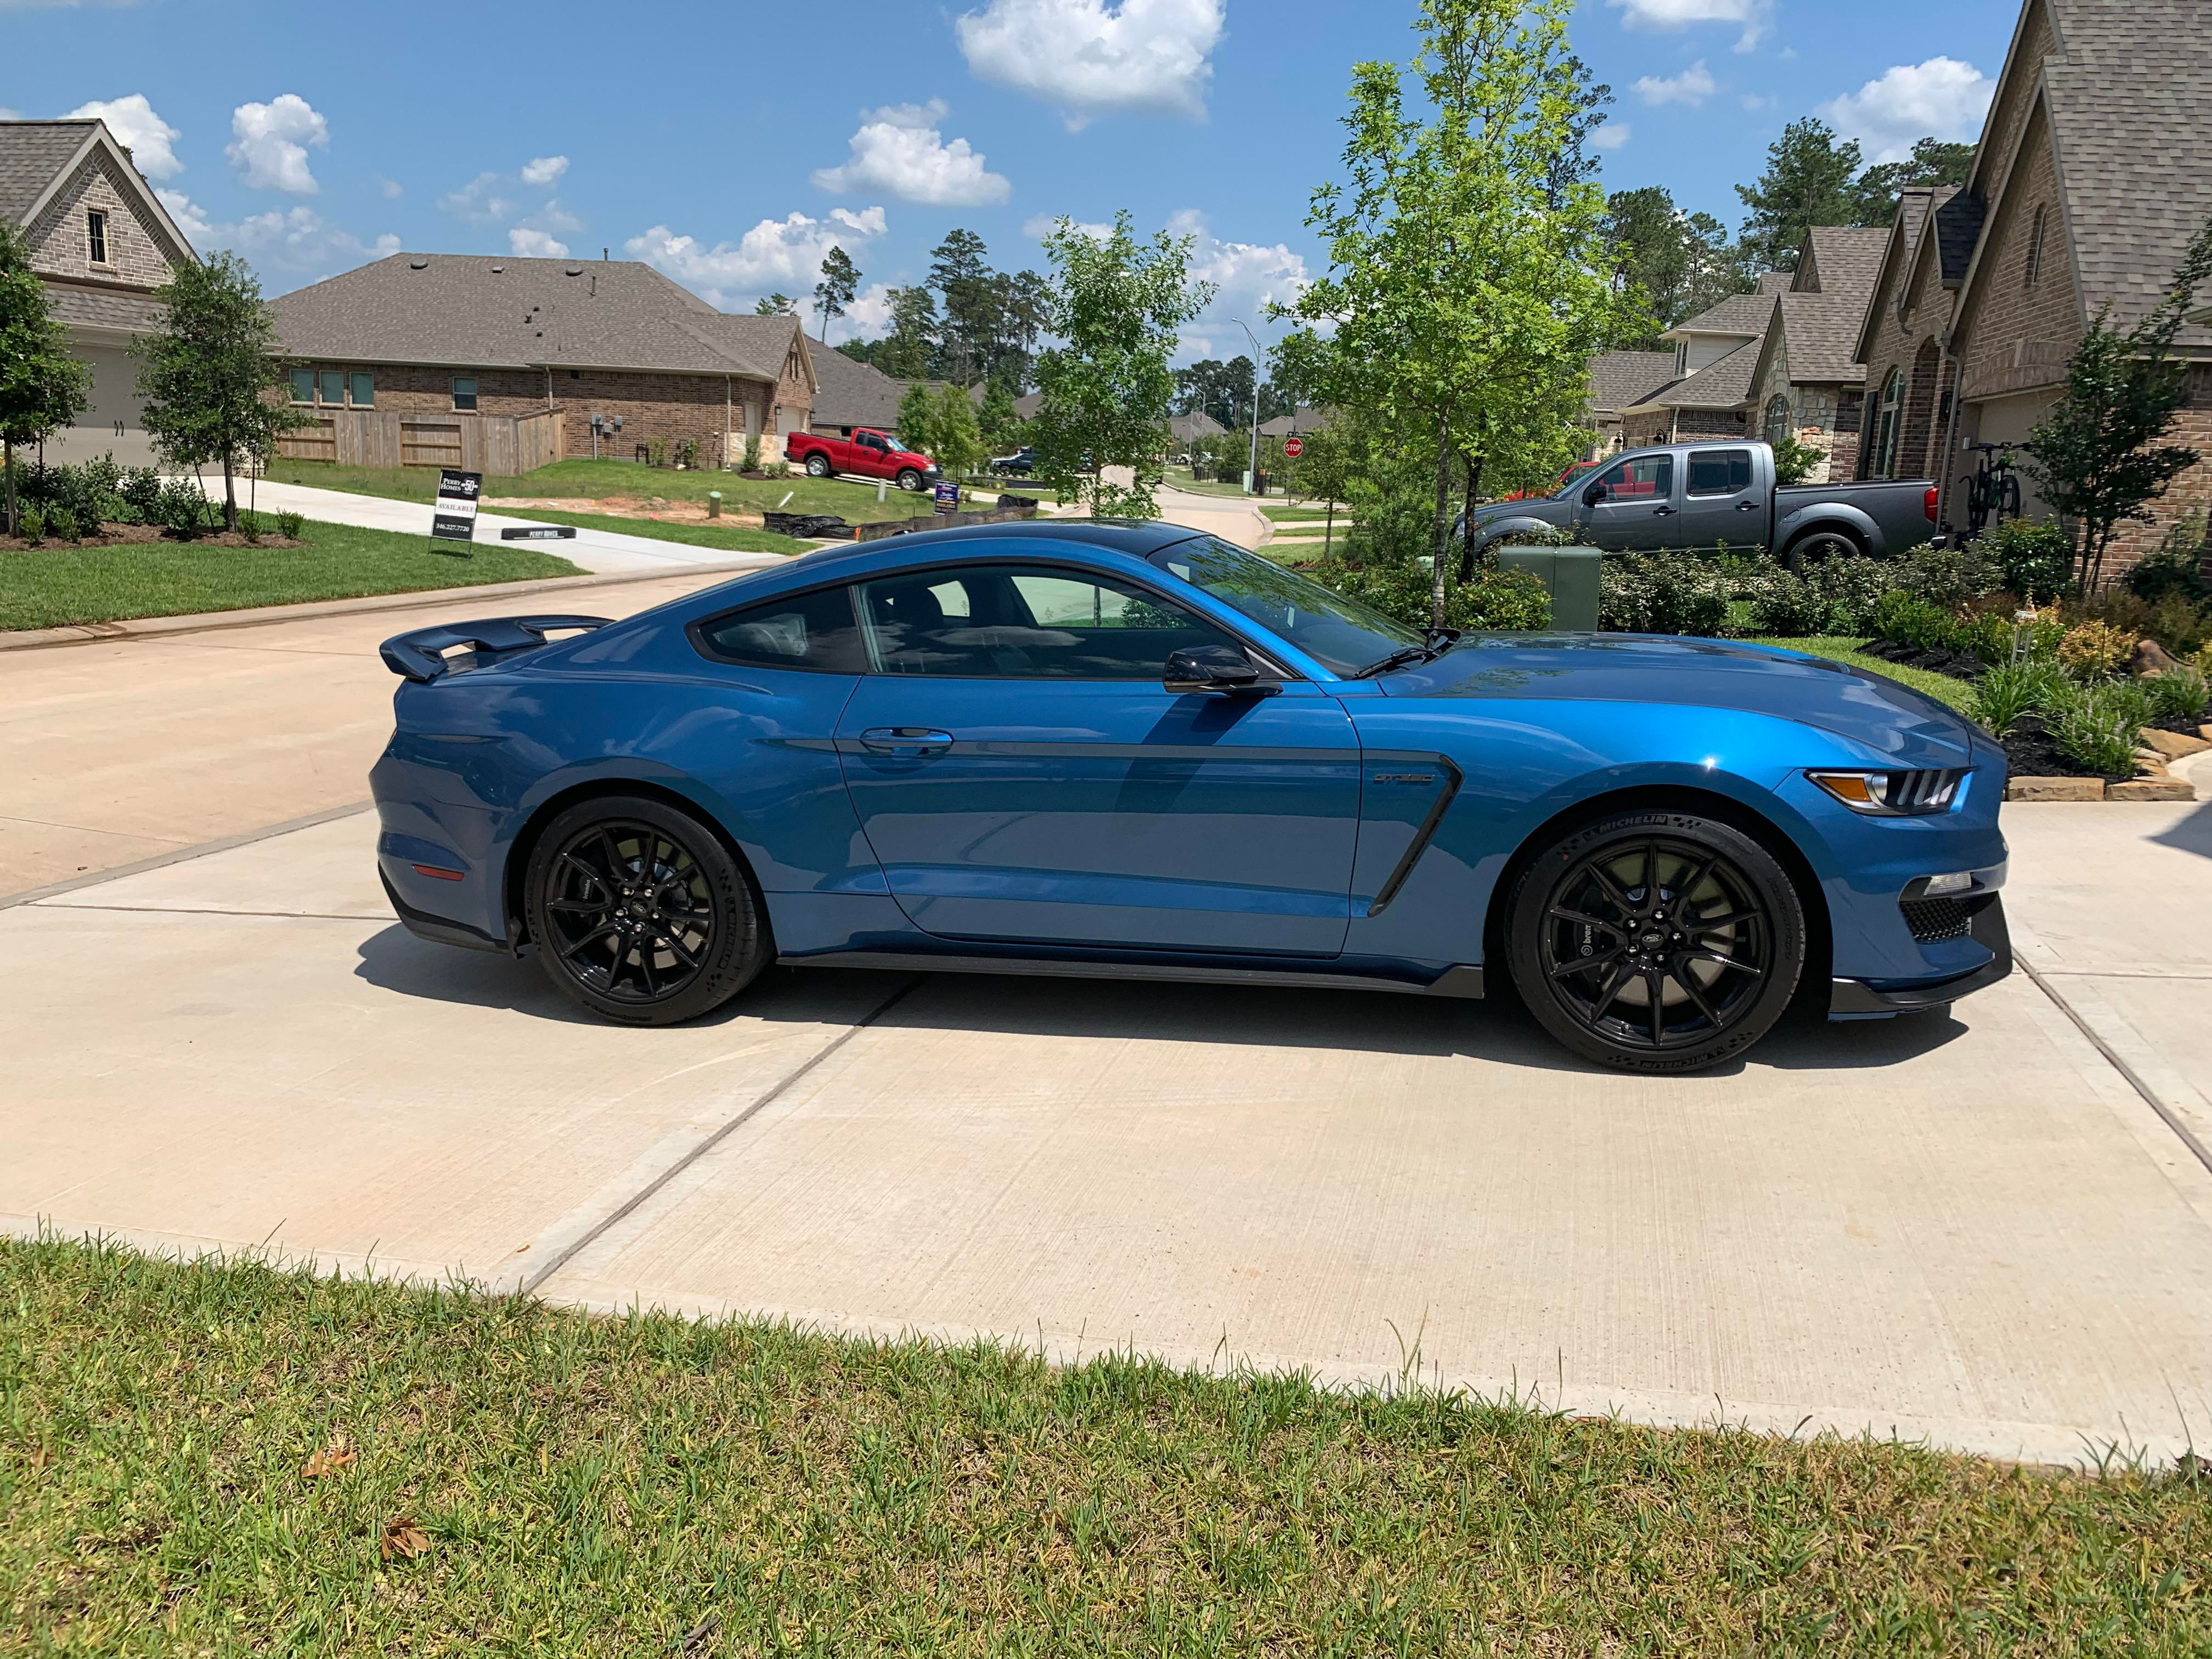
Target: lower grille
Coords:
[[1934, 919]]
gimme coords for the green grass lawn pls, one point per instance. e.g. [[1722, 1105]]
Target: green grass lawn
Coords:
[[55, 585], [1282, 514], [197, 1459], [735, 538], [598, 480], [1943, 687]]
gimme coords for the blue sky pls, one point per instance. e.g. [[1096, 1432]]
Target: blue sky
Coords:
[[730, 143]]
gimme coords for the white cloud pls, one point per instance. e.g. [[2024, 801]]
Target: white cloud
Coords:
[[782, 254], [1092, 56], [869, 316], [1612, 136], [138, 129], [526, 244], [900, 151], [269, 144], [7, 114], [1692, 86], [1754, 17], [478, 202], [1247, 277], [1940, 98], [391, 189], [189, 219], [1754, 101], [295, 240], [1038, 226], [544, 170]]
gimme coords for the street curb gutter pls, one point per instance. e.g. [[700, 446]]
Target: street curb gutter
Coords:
[[203, 622], [182, 855]]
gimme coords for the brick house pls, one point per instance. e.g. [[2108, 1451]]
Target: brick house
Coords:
[[2094, 170], [101, 243], [505, 363], [1621, 380], [1780, 361]]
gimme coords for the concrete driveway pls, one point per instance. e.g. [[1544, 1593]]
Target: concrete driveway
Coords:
[[1975, 1230]]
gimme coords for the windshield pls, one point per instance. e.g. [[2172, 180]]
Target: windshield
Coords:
[[1342, 634]]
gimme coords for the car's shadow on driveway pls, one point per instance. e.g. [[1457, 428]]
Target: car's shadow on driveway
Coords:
[[1498, 1029]]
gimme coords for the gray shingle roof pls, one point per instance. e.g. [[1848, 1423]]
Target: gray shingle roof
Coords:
[[1957, 227], [98, 308], [852, 394], [31, 154], [2128, 99], [480, 311], [1622, 380], [1841, 258], [1721, 385], [1820, 326], [1740, 314], [1305, 418], [1186, 428]]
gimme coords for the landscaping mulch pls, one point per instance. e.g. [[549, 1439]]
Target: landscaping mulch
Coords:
[[1959, 664], [130, 535], [2032, 752]]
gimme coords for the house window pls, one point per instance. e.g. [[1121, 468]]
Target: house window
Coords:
[[464, 392], [360, 389], [329, 384], [2034, 269], [1777, 418], [1888, 422], [303, 386], [96, 235]]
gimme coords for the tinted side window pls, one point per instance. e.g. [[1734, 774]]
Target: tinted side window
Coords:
[[1025, 622], [1649, 476], [807, 631], [1719, 472]]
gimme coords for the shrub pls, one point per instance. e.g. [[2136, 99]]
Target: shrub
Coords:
[[31, 523], [2095, 650], [1853, 586], [2175, 565], [1914, 623], [1787, 606], [1987, 635], [62, 523], [2202, 662], [2011, 689], [2096, 725], [1509, 600], [2179, 694], [2174, 620], [1401, 589], [249, 524], [1948, 576], [2034, 559], [1661, 593], [183, 508], [140, 491], [290, 525]]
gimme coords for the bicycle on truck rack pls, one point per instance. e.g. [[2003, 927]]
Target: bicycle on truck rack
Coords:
[[1993, 492]]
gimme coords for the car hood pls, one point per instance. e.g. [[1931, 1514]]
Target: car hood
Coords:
[[1872, 710]]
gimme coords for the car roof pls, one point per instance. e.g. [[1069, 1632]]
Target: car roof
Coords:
[[1134, 537]]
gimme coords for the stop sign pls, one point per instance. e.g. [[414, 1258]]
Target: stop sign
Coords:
[[1294, 447]]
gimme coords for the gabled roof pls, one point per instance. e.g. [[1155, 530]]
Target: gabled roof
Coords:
[[1838, 259], [1899, 252], [1721, 385], [480, 311], [1622, 380], [852, 394], [1187, 429], [1305, 417], [1957, 227], [38, 158], [2123, 89], [1740, 314]]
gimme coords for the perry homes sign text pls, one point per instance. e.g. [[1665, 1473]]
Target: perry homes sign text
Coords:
[[454, 517]]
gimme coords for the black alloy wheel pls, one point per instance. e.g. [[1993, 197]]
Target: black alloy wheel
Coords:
[[640, 913], [818, 465], [1816, 546], [1657, 941]]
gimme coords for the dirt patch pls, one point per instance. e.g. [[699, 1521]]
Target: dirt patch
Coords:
[[626, 507], [140, 535]]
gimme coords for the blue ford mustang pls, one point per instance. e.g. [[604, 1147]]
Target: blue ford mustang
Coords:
[[1125, 749]]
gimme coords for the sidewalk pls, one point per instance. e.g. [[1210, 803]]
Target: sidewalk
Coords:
[[602, 552]]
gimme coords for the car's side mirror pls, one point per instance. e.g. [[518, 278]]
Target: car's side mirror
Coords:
[[1219, 668], [1596, 493]]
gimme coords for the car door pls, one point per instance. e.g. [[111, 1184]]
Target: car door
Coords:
[[1722, 498], [1022, 774], [871, 455], [1634, 504]]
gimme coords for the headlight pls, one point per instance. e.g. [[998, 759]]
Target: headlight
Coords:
[[1893, 794]]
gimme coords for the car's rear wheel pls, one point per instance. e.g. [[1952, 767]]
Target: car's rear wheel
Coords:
[[1656, 941], [909, 479], [639, 913], [1816, 546]]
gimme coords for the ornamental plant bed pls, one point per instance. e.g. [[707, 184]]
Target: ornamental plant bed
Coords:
[[126, 535], [1959, 664]]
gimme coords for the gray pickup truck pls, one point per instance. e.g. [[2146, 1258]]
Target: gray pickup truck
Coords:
[[1688, 496]]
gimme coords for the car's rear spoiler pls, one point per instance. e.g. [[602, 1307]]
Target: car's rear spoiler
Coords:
[[421, 655]]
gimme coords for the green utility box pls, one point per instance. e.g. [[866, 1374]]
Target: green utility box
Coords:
[[1569, 575]]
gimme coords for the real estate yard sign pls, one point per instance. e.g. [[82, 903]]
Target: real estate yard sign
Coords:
[[453, 519]]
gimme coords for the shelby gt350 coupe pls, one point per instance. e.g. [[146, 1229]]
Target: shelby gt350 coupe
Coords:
[[1125, 749]]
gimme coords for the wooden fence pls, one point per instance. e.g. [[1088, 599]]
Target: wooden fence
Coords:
[[503, 446]]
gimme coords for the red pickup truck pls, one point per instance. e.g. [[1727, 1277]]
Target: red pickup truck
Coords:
[[867, 454]]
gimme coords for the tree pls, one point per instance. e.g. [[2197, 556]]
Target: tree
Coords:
[[959, 440], [211, 375], [917, 419], [1809, 181], [1118, 303], [840, 283], [773, 305], [1001, 423], [1932, 163], [962, 278], [42, 384], [1468, 290], [1675, 264], [1574, 163], [904, 353], [2096, 454]]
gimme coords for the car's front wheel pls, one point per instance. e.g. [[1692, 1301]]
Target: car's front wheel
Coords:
[[818, 465], [909, 479], [639, 913], [1656, 941]]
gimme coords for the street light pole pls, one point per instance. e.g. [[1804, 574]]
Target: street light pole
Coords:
[[1253, 475]]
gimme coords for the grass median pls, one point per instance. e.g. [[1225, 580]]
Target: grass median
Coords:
[[608, 480], [208, 1458], [60, 583], [730, 538]]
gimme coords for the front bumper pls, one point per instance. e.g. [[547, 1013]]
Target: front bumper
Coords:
[[1860, 999]]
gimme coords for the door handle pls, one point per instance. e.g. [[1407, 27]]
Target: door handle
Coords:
[[1661, 512], [906, 742], [1746, 507]]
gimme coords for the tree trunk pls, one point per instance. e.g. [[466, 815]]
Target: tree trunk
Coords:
[[1440, 530], [1466, 525], [229, 493], [10, 518]]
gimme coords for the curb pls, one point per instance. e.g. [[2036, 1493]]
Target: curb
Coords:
[[141, 628]]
